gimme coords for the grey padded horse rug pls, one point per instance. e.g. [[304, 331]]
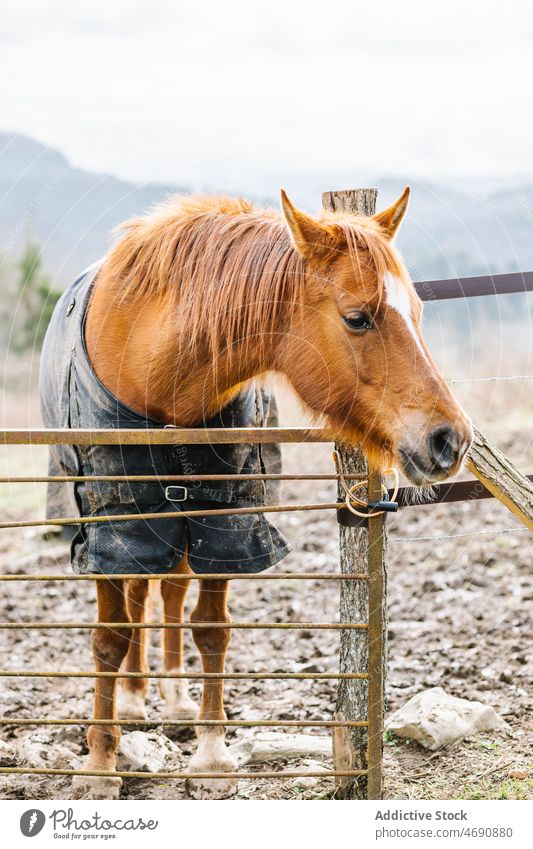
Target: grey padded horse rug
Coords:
[[73, 396]]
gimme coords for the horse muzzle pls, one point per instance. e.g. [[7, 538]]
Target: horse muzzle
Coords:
[[436, 456]]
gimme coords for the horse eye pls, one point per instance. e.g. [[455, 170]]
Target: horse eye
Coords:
[[358, 321]]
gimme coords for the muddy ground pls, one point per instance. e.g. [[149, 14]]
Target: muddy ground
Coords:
[[459, 610]]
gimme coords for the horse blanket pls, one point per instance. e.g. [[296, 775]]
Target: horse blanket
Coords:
[[73, 396]]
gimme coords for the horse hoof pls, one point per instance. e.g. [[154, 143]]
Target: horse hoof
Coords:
[[177, 702], [130, 704], [212, 788], [212, 756], [95, 787]]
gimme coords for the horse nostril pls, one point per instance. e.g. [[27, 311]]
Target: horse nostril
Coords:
[[443, 448]]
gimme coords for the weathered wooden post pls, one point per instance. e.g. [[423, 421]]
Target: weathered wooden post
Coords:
[[362, 549]]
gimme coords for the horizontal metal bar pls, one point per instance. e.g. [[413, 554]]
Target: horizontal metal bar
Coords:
[[208, 576], [474, 287], [442, 493], [18, 770], [185, 514], [449, 492], [164, 436], [172, 478], [201, 626], [203, 723], [192, 676]]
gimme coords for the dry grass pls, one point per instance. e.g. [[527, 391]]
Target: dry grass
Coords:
[[475, 768]]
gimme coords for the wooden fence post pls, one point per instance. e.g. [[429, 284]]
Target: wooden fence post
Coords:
[[361, 550], [501, 478]]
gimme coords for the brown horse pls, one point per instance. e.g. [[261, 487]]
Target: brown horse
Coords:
[[200, 297]]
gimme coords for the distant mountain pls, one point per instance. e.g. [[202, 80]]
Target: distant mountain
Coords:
[[69, 212], [451, 229]]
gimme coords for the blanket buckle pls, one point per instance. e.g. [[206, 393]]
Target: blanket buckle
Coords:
[[176, 493]]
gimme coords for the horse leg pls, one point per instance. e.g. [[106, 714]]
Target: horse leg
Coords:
[[109, 650], [132, 692], [212, 754], [175, 691]]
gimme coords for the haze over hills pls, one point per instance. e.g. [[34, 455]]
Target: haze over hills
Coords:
[[69, 212], [452, 229]]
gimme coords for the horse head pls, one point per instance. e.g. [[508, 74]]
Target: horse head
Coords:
[[356, 353]]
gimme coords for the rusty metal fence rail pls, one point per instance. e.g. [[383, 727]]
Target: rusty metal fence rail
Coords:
[[373, 676]]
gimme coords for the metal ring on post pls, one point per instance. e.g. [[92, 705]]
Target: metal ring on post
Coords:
[[351, 497]]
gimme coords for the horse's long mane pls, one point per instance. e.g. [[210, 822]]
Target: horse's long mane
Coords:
[[230, 268]]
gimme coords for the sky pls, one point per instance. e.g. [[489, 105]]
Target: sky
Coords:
[[202, 93]]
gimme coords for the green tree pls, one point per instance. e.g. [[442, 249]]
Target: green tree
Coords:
[[36, 300]]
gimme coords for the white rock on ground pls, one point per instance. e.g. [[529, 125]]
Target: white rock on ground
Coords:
[[272, 746], [435, 719], [40, 750], [144, 751]]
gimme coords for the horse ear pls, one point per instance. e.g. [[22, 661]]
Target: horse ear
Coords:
[[391, 218], [316, 242]]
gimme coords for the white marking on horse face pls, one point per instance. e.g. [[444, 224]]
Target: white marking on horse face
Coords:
[[398, 299]]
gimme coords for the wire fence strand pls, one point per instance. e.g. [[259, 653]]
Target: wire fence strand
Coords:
[[459, 536], [492, 379]]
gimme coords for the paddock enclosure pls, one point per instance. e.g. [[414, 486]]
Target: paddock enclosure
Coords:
[[359, 621]]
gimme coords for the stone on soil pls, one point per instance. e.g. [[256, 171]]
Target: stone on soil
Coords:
[[41, 751], [272, 746], [435, 719], [141, 751]]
